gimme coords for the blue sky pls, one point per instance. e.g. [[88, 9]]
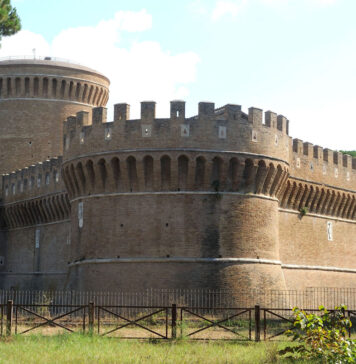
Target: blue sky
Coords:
[[294, 57]]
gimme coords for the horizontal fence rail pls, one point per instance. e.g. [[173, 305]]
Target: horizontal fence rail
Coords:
[[163, 314]]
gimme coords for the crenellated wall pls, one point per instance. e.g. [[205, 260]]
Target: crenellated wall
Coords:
[[321, 165], [35, 239], [35, 195]]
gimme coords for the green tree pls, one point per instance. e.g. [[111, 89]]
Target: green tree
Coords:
[[9, 21], [321, 336], [351, 152]]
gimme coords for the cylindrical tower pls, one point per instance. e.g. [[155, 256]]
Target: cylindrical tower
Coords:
[[178, 202], [35, 97]]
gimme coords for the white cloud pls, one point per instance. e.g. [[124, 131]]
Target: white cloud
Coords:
[[198, 7], [23, 43], [324, 2], [306, 2], [133, 21], [139, 71], [223, 8]]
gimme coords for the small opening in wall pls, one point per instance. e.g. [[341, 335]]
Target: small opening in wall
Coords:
[[220, 256], [167, 255], [118, 256], [29, 142], [121, 225], [178, 189], [166, 224]]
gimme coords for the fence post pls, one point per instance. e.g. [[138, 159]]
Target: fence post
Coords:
[[91, 312], [174, 321], [9, 313], [257, 323]]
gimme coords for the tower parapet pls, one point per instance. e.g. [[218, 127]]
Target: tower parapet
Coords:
[[223, 129]]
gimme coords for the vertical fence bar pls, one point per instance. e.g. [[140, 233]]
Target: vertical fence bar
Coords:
[[166, 322], [16, 309], [264, 325], [174, 321], [84, 317], [9, 313], [181, 322], [2, 319], [91, 312], [98, 320], [257, 323], [249, 324]]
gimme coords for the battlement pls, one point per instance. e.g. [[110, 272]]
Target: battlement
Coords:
[[224, 128], [328, 166], [37, 180]]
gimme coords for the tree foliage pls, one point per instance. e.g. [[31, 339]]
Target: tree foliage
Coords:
[[351, 152], [9, 21], [322, 337]]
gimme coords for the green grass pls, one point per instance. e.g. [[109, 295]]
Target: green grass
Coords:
[[76, 348]]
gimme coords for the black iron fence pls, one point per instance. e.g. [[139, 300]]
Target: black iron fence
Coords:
[[152, 322], [286, 299]]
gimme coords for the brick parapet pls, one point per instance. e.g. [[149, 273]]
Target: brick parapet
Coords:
[[37, 180], [31, 79], [322, 165], [224, 129]]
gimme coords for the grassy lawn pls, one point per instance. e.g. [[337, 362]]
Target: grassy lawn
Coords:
[[76, 348]]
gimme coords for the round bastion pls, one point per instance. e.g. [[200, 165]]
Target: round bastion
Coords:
[[36, 95]]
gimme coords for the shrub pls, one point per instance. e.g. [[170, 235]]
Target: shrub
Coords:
[[321, 336], [303, 211]]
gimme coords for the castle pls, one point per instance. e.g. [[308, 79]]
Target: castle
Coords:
[[222, 199]]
